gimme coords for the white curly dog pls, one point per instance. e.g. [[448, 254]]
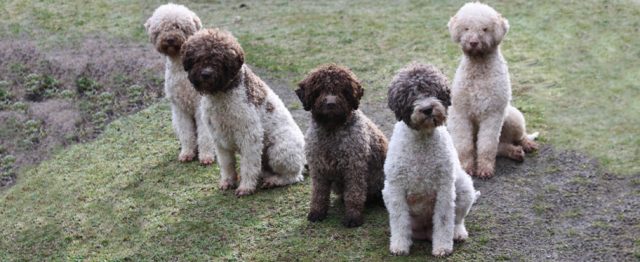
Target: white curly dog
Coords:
[[481, 94], [168, 28], [426, 191]]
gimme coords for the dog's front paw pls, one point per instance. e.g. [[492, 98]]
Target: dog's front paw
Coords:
[[353, 221], [206, 159], [226, 185], [441, 252], [242, 191], [460, 233], [315, 216], [397, 250], [484, 172], [186, 156]]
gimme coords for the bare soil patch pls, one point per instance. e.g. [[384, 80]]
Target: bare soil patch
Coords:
[[53, 98]]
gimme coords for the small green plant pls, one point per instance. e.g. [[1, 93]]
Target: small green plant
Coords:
[[135, 94], [20, 106], [39, 87], [86, 85]]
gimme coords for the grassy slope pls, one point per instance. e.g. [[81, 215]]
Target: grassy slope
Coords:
[[574, 72], [133, 200], [573, 64]]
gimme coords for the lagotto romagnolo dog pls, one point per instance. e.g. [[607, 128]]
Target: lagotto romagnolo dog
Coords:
[[426, 191], [481, 94], [243, 114], [168, 28], [345, 150]]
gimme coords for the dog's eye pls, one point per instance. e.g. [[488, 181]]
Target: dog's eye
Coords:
[[466, 29], [484, 29]]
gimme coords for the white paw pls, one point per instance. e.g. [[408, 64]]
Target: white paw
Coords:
[[397, 250], [460, 233], [226, 185], [244, 191], [186, 156], [442, 252], [206, 159]]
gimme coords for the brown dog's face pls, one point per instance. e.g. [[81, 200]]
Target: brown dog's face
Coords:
[[213, 59], [168, 29], [331, 93], [419, 96]]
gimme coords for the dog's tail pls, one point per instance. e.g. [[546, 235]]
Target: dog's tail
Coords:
[[533, 136]]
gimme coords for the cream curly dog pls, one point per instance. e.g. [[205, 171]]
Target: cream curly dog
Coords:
[[243, 114], [426, 191], [481, 94], [345, 149], [168, 28]]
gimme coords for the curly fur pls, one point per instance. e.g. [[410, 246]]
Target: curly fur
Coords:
[[426, 191], [481, 92], [168, 28], [345, 149], [249, 118]]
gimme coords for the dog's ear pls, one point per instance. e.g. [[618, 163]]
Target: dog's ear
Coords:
[[188, 58], [197, 22], [501, 28], [300, 92], [445, 96], [453, 29], [353, 93], [400, 99], [233, 61]]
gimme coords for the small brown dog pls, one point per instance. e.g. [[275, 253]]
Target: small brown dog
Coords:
[[345, 150]]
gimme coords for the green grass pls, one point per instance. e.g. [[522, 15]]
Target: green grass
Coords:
[[573, 64], [133, 200], [574, 68]]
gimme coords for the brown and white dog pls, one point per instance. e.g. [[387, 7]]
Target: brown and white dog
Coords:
[[243, 115], [345, 150]]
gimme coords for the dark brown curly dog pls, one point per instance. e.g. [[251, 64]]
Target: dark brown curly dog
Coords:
[[213, 60], [345, 150]]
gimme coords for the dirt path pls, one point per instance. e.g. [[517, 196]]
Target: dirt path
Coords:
[[557, 205]]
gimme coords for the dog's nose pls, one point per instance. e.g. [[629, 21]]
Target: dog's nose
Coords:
[[473, 44], [427, 110], [170, 41], [330, 101], [206, 73]]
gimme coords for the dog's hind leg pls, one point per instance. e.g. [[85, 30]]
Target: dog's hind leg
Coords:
[[286, 161], [399, 219], [206, 148], [185, 128], [511, 151]]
